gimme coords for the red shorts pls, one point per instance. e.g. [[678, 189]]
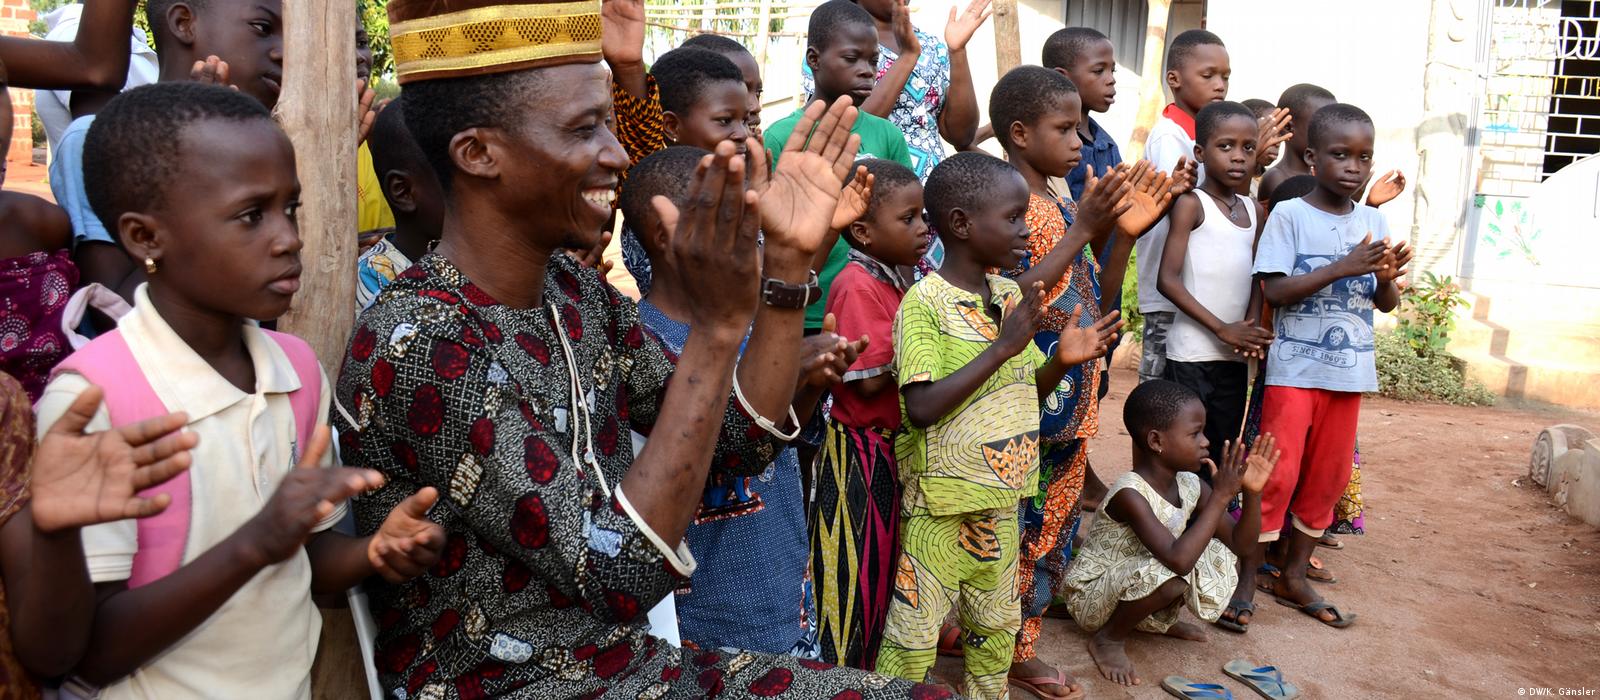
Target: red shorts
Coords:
[[1316, 429]]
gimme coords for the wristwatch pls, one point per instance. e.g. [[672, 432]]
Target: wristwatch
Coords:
[[782, 295]]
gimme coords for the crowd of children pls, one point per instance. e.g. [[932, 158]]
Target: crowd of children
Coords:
[[878, 365]]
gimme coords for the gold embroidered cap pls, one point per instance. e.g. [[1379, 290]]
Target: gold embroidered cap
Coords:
[[434, 39]]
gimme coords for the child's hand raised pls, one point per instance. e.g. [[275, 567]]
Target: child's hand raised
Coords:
[[1274, 131], [1105, 199], [595, 257], [1079, 345], [798, 200], [212, 71], [1395, 260], [1366, 256], [1147, 201], [1259, 465], [307, 495], [1021, 321], [1227, 479], [853, 200], [1386, 188], [1185, 176], [407, 542], [959, 30], [826, 356], [622, 31], [80, 479]]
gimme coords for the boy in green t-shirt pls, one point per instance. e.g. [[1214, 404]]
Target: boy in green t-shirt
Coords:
[[970, 383], [842, 51]]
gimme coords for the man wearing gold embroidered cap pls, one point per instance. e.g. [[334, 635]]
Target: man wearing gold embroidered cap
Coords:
[[513, 379]]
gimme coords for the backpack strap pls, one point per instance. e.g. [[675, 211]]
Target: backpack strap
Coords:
[[308, 398], [107, 362]]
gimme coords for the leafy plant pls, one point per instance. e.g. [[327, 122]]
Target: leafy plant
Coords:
[[1511, 231], [1133, 321], [1407, 375], [1427, 313]]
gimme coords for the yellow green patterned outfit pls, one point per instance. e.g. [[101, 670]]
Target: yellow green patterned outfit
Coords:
[[962, 479]]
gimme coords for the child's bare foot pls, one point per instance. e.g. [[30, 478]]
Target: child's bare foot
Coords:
[[1187, 630], [1111, 656], [1041, 679]]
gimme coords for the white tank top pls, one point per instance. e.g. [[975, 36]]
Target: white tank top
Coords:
[[1217, 271]]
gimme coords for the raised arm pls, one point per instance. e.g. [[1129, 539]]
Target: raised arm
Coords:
[[96, 59], [1102, 204], [622, 43], [798, 202], [958, 115], [887, 91]]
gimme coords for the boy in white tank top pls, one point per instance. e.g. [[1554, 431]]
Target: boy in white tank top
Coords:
[[1206, 273]]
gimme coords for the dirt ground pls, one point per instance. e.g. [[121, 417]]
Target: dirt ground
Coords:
[[1469, 583]]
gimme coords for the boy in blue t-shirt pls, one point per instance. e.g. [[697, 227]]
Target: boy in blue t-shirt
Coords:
[[1326, 263]]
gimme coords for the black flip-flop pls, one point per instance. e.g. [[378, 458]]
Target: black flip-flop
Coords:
[[1339, 621], [1237, 607]]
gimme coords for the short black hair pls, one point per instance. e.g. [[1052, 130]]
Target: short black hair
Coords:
[[1292, 188], [155, 17], [1062, 49], [667, 172], [437, 110], [1213, 115], [1299, 96], [1258, 107], [963, 181], [1178, 52], [392, 145], [887, 178], [717, 43], [682, 75], [1332, 117], [135, 143], [1154, 405], [1024, 94], [829, 17]]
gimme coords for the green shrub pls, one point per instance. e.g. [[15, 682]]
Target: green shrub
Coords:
[[1427, 313], [1133, 321], [1407, 375]]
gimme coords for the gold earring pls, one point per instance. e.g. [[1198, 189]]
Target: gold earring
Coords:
[[149, 265]]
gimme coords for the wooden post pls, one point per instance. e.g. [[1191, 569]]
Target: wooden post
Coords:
[[1007, 37], [318, 110], [763, 32], [1152, 76]]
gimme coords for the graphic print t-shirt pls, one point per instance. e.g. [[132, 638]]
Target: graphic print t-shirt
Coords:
[[1325, 340]]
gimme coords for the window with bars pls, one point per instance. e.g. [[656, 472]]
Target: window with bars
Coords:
[[1574, 123]]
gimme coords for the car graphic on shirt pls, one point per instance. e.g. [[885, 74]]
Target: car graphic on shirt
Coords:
[[1331, 326]]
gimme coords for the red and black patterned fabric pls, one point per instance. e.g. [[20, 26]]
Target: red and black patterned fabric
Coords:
[[545, 580]]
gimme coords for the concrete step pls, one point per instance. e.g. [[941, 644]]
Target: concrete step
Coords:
[[1571, 384], [1539, 341]]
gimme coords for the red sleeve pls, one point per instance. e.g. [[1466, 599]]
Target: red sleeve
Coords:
[[865, 306]]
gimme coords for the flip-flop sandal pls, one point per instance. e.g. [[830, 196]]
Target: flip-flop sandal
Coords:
[[1313, 573], [950, 641], [1267, 681], [1185, 688], [1237, 608], [1036, 684], [1339, 621], [1330, 541]]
